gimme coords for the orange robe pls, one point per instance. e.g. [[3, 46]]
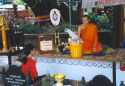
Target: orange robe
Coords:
[[89, 36]]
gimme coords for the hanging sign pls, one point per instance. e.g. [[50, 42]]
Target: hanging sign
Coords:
[[46, 45], [55, 16], [112, 2]]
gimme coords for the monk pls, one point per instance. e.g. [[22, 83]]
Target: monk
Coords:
[[89, 36]]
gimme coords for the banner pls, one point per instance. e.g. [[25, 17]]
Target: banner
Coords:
[[96, 3]]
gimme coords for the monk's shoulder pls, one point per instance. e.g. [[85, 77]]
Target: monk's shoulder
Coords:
[[92, 25], [81, 26]]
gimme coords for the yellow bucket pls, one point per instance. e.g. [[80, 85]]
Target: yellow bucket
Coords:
[[75, 50]]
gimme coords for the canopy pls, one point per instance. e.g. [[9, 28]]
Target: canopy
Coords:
[[10, 6]]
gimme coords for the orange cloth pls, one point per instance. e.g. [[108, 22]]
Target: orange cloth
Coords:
[[29, 67], [89, 36]]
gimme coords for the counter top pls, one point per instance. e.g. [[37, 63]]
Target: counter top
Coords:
[[85, 57]]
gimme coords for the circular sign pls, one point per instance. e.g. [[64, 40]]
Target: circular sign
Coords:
[[55, 16]]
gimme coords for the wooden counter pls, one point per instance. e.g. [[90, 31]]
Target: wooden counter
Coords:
[[85, 57]]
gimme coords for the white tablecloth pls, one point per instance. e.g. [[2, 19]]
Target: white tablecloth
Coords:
[[74, 69]]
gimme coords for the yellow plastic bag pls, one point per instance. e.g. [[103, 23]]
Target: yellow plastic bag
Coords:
[[75, 50]]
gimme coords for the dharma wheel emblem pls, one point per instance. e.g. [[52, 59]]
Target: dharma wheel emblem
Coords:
[[55, 16]]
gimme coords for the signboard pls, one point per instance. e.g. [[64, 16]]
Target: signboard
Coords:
[[95, 3], [46, 45], [55, 17], [14, 80]]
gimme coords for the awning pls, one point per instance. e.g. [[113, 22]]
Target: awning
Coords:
[[96, 3], [10, 6]]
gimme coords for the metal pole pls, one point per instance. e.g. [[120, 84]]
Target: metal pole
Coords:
[[70, 14], [10, 59], [114, 73]]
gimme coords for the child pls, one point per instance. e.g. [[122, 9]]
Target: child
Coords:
[[29, 63]]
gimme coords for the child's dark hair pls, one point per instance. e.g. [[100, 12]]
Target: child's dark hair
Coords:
[[26, 51], [28, 48]]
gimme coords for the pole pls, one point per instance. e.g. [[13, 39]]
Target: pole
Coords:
[[15, 10], [70, 14], [10, 58], [4, 39], [114, 73]]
